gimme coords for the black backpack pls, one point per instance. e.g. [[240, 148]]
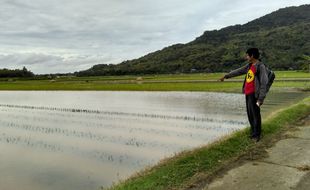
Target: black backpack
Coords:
[[271, 76]]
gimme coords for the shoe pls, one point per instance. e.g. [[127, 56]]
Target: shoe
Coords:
[[256, 139], [251, 136]]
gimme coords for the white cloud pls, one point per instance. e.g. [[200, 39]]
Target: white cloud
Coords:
[[71, 35], [50, 63]]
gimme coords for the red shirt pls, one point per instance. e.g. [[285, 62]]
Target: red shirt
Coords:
[[249, 86]]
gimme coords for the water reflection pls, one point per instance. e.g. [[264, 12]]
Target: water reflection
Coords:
[[84, 140]]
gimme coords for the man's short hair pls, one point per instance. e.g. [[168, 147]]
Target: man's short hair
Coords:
[[253, 52]]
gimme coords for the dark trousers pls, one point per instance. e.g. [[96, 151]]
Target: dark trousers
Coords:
[[254, 116]]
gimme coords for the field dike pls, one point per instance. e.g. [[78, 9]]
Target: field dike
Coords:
[[191, 169]]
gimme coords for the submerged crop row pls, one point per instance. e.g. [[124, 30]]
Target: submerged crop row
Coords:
[[146, 115]]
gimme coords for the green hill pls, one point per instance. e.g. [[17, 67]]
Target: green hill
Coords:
[[282, 36]]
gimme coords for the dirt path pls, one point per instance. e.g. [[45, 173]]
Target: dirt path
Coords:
[[280, 163]]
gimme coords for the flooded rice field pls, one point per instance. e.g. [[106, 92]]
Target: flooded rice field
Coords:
[[87, 140]]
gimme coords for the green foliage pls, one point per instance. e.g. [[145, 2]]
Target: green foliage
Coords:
[[282, 36], [7, 73]]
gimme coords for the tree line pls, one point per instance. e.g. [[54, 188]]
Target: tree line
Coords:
[[12, 73]]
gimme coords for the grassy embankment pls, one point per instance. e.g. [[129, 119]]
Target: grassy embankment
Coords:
[[176, 82], [188, 167]]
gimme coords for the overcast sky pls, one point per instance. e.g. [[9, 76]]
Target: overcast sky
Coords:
[[72, 35]]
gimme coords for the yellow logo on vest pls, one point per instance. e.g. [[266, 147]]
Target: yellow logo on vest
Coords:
[[249, 76]]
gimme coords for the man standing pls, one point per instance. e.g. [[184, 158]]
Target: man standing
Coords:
[[254, 88]]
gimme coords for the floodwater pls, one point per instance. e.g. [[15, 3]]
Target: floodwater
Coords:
[[86, 140]]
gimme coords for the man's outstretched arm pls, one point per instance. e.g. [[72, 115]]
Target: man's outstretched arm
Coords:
[[235, 73]]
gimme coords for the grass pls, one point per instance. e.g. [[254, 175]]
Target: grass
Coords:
[[194, 76], [292, 74], [181, 170], [185, 82], [227, 86], [215, 76]]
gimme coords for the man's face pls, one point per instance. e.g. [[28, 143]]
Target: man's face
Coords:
[[249, 58]]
